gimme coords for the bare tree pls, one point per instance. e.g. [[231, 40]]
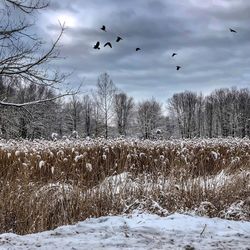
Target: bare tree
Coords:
[[183, 106], [244, 112], [227, 112], [88, 112], [123, 108], [105, 99], [22, 54], [149, 115], [33, 122], [97, 121], [209, 116], [199, 116], [73, 111]]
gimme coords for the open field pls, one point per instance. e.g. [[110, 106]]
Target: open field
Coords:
[[46, 184]]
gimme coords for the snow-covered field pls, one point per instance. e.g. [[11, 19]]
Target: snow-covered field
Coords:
[[138, 231]]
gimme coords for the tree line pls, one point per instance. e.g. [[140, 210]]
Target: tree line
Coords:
[[110, 112], [30, 106]]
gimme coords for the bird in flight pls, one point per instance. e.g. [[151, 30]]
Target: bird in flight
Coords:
[[118, 39], [96, 46], [234, 31], [103, 28], [178, 67], [108, 44], [174, 54], [137, 49]]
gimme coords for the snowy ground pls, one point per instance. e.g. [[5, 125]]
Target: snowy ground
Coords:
[[138, 231]]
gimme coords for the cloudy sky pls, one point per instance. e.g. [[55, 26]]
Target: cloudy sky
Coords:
[[198, 30]]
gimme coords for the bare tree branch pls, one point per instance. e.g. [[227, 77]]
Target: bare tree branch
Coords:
[[24, 64], [28, 6], [19, 105]]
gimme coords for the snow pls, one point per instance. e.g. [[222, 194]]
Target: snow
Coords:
[[215, 155], [123, 182], [115, 183], [138, 231], [89, 167], [183, 146], [41, 164]]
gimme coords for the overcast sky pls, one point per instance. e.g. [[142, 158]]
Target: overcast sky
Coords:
[[198, 30]]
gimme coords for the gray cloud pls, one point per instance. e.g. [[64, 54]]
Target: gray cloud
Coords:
[[197, 30]]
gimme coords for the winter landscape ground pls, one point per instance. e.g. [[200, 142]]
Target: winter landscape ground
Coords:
[[177, 194], [138, 231]]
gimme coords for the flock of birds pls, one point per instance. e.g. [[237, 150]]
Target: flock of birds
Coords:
[[118, 39]]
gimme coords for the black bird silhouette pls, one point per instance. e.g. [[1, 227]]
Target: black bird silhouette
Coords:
[[137, 49], [108, 44], [96, 46], [118, 39], [174, 54], [103, 28], [232, 30], [178, 67]]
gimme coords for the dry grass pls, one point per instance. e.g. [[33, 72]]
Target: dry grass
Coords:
[[46, 184]]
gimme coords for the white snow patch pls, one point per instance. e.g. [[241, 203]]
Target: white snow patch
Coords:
[[138, 231], [89, 167], [41, 164]]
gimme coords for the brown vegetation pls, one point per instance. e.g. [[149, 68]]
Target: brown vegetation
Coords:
[[46, 184]]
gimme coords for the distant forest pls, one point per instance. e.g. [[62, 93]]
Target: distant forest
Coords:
[[110, 112]]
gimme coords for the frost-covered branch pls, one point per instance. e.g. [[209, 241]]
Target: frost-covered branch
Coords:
[[19, 105]]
